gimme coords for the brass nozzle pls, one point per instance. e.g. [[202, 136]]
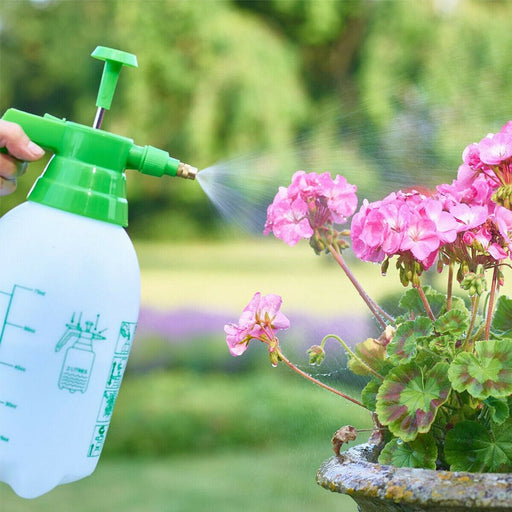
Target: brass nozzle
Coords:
[[186, 171]]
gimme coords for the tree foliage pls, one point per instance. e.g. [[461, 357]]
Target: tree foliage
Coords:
[[368, 89]]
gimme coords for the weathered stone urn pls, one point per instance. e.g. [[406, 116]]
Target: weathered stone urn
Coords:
[[381, 488]]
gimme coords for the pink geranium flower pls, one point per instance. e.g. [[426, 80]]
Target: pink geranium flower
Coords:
[[260, 320], [311, 202], [422, 239], [469, 217], [495, 149]]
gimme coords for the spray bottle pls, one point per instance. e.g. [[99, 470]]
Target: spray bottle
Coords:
[[69, 294]]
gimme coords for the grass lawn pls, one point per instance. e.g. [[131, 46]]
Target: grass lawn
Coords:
[[275, 480], [225, 276]]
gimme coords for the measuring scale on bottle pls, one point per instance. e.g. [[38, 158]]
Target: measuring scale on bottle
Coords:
[[13, 328]]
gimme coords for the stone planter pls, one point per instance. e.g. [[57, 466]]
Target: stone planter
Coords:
[[380, 488]]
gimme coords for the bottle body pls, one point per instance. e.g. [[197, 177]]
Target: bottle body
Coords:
[[69, 302]]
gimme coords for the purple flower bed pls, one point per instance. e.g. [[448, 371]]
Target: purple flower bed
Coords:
[[183, 325]]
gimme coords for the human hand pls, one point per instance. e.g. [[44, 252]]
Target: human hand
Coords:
[[20, 151]]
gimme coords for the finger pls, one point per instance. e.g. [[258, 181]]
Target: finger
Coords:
[[11, 167], [17, 143], [7, 186]]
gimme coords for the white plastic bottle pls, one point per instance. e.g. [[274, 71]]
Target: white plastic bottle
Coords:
[[69, 301], [69, 295]]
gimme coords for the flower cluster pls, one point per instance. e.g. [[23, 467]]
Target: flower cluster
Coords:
[[310, 207], [440, 375], [461, 222]]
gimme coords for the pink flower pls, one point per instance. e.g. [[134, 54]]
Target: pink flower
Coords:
[[398, 224], [445, 222], [503, 218], [422, 239], [495, 149], [469, 217], [312, 201], [367, 232], [260, 320], [341, 199], [396, 219], [287, 218]]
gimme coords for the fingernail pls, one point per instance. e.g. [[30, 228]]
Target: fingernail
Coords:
[[35, 150]]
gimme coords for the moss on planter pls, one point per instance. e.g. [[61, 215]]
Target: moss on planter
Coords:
[[376, 487]]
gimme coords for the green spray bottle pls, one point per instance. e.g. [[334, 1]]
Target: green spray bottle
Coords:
[[70, 275]]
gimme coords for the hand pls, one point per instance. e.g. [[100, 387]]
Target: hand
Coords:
[[20, 150]]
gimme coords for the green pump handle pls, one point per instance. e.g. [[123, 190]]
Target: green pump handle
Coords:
[[86, 174]]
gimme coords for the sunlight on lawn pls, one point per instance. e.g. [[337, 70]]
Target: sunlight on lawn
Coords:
[[224, 276]]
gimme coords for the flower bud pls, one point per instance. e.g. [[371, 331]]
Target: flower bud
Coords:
[[317, 244], [274, 357], [503, 196], [501, 278], [316, 354], [384, 267]]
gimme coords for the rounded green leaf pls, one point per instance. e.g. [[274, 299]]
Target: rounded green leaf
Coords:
[[455, 321], [409, 398], [420, 453], [502, 318], [402, 347], [469, 446], [486, 372]]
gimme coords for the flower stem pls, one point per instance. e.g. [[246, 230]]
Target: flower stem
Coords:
[[285, 360], [426, 305], [449, 288], [490, 307], [376, 310], [352, 354], [474, 311]]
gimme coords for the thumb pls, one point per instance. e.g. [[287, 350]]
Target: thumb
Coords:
[[17, 143]]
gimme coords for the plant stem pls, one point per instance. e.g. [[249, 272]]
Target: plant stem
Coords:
[[474, 310], [352, 354], [376, 310], [490, 307], [449, 288], [316, 381], [426, 305]]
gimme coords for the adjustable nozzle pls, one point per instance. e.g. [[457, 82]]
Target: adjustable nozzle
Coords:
[[157, 162], [186, 171]]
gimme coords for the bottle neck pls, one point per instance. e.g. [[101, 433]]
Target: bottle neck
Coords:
[[87, 176]]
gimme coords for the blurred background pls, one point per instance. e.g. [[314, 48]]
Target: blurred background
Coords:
[[387, 93]]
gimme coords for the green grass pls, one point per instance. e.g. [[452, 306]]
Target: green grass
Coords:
[[277, 480], [224, 276], [176, 412]]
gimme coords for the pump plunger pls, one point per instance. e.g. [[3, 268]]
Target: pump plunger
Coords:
[[114, 61]]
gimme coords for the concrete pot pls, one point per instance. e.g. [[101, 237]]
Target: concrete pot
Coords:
[[381, 488]]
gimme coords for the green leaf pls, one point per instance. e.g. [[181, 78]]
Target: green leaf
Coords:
[[502, 319], [409, 398], [420, 453], [455, 321], [369, 394], [498, 408], [469, 446], [402, 347], [486, 372], [370, 352], [411, 301]]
